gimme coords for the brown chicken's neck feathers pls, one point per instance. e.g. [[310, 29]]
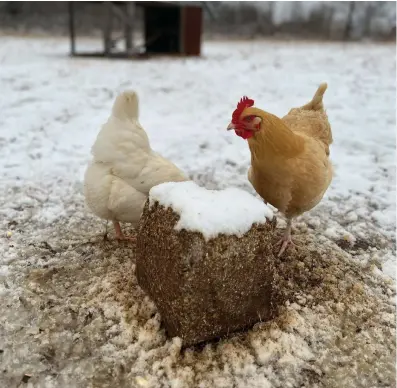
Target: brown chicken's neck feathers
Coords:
[[274, 136]]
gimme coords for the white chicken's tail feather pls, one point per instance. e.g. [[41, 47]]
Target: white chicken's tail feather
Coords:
[[126, 105], [317, 101]]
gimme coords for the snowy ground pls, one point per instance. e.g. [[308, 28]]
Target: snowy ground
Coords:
[[56, 273]]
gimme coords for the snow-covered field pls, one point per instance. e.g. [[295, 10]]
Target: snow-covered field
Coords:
[[56, 272]]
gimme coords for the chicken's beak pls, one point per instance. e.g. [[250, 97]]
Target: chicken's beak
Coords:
[[230, 127]]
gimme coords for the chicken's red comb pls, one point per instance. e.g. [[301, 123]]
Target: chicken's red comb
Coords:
[[245, 102]]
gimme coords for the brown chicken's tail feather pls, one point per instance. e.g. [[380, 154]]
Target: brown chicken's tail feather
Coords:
[[317, 101]]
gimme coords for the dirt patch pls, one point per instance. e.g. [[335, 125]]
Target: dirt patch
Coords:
[[90, 325]]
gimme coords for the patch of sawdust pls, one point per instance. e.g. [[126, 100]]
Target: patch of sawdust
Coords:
[[81, 320], [363, 244], [359, 305]]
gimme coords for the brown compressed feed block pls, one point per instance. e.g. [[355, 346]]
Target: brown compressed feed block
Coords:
[[204, 289]]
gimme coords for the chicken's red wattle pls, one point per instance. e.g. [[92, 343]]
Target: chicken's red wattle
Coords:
[[244, 133]]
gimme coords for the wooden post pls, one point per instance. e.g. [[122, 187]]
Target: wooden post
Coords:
[[191, 23], [129, 26], [71, 28], [107, 30], [349, 22]]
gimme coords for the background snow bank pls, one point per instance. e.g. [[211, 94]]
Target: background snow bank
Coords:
[[68, 319], [53, 107]]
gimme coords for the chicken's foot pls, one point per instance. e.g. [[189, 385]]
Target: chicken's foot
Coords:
[[286, 239], [119, 233]]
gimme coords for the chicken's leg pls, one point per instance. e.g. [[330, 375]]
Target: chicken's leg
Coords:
[[119, 233], [286, 239]]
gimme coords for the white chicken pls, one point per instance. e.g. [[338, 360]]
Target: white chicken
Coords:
[[124, 167]]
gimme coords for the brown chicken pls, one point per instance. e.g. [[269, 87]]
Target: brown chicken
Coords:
[[290, 166]]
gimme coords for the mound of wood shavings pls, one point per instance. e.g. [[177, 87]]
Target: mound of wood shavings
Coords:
[[76, 317]]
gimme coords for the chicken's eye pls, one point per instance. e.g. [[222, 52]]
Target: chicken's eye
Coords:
[[248, 119]]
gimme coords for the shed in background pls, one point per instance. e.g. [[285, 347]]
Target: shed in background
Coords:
[[169, 28]]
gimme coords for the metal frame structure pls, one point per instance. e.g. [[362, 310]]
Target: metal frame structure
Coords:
[[124, 11]]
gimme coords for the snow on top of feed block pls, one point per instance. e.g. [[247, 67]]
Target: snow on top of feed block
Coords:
[[211, 212]]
